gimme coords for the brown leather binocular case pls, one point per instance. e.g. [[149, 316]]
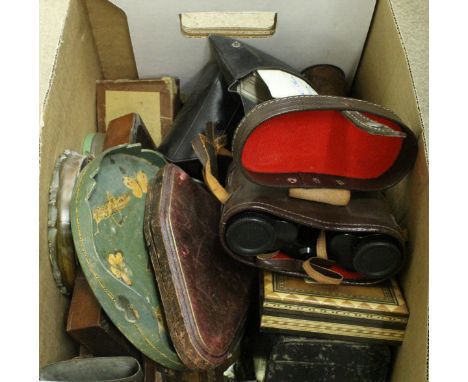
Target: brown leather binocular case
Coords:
[[357, 244], [264, 223]]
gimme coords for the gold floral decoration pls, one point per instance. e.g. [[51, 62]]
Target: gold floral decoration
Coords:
[[118, 267]]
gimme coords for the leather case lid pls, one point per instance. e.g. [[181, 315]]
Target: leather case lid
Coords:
[[305, 141], [107, 212], [204, 291], [366, 212]]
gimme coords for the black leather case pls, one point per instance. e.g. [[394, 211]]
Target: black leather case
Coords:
[[209, 102], [313, 360], [237, 60]]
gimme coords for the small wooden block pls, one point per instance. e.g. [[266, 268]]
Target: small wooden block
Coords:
[[89, 326]]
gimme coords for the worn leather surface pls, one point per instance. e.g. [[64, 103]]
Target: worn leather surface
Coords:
[[314, 360], [98, 369], [129, 128], [277, 107], [210, 102], [205, 293], [366, 213]]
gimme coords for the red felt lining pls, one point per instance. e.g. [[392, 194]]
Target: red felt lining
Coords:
[[320, 142]]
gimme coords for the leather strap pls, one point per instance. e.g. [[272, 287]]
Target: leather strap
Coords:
[[267, 256], [318, 269], [213, 184], [322, 195], [321, 246], [207, 148], [370, 126]]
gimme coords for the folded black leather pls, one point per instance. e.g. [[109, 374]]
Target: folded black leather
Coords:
[[95, 369], [209, 102], [367, 215], [237, 60], [291, 358]]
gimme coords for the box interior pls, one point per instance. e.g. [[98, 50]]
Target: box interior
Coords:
[[95, 44]]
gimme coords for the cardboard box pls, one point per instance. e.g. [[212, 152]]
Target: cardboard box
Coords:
[[95, 45]]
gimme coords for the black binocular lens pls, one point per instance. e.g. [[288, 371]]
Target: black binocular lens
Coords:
[[373, 255], [253, 234], [256, 233]]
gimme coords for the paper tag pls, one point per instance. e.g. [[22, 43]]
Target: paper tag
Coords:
[[282, 84]]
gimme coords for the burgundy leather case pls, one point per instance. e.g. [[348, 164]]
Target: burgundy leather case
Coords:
[[205, 293], [366, 212]]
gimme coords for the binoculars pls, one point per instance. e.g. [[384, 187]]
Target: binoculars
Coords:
[[370, 254]]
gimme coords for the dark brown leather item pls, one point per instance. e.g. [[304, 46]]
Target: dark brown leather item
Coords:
[[326, 79], [205, 293], [366, 213], [128, 129], [88, 324], [269, 110]]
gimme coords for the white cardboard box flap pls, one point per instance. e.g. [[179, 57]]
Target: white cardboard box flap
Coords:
[[323, 31]]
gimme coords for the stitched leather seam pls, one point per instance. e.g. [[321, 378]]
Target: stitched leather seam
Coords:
[[364, 120], [307, 219], [317, 102], [187, 296]]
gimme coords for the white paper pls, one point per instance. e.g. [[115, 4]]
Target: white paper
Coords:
[[282, 84]]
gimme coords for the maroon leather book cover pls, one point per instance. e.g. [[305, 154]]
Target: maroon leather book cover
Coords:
[[205, 293]]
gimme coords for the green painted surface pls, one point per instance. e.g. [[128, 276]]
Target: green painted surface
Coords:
[[107, 213]]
